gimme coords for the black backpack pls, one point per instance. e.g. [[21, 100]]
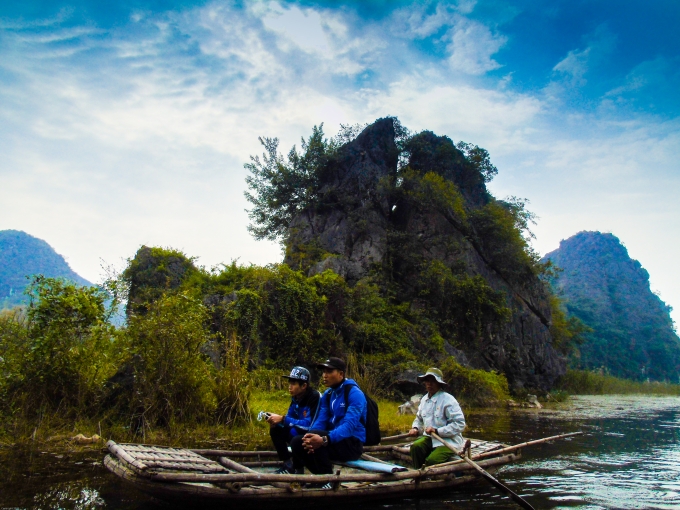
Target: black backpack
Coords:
[[372, 424]]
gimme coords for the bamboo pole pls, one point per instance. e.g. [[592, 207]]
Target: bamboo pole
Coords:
[[235, 453], [367, 477], [515, 497], [522, 445], [368, 457], [394, 438], [262, 463], [235, 466]]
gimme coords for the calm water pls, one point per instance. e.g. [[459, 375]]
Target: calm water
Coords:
[[629, 458]]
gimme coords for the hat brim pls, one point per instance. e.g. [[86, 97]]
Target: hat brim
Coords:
[[326, 365], [294, 378], [421, 379]]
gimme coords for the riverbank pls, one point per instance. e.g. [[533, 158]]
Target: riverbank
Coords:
[[252, 435], [585, 382], [55, 434]]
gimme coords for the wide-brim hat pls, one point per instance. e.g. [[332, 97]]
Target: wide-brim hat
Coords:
[[434, 372], [298, 374], [333, 363]]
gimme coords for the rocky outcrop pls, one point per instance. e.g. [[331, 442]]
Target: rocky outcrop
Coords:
[[152, 272], [352, 219], [372, 222]]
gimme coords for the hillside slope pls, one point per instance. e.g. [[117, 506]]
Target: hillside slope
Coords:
[[633, 335], [23, 255]]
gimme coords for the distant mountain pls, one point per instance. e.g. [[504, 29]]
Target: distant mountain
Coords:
[[633, 334], [23, 255]]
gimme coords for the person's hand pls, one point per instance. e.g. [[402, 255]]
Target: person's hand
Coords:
[[312, 442], [413, 432], [431, 430], [274, 419]]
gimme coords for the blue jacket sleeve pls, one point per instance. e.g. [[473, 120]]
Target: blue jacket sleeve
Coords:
[[356, 407], [323, 417], [307, 413]]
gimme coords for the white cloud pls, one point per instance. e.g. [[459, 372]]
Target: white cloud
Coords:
[[579, 62], [472, 45], [305, 28]]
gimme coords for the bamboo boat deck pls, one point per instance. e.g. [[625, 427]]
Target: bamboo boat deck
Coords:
[[247, 477]]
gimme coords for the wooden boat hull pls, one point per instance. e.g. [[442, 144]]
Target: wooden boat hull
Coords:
[[245, 496]]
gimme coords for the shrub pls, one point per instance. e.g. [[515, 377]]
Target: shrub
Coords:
[[174, 380], [13, 345], [475, 387], [232, 384], [70, 349]]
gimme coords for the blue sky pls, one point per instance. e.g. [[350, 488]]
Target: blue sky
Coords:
[[128, 123]]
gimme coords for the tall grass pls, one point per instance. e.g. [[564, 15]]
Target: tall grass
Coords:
[[584, 382]]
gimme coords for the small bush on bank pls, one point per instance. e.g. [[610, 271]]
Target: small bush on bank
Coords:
[[475, 387], [57, 355], [585, 382], [232, 385], [173, 379]]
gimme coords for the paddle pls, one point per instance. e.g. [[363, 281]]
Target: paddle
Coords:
[[515, 497]]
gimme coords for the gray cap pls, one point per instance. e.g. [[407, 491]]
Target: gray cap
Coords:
[[434, 372], [298, 374]]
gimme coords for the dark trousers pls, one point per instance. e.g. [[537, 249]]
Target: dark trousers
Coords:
[[320, 461], [281, 437]]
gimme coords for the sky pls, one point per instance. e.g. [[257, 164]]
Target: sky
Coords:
[[128, 123]]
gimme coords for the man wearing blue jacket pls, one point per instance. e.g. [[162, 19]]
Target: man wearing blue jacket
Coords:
[[304, 404], [338, 432]]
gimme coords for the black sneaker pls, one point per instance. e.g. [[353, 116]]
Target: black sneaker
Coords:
[[320, 485], [283, 470]]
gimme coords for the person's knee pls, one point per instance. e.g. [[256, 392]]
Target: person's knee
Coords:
[[296, 445]]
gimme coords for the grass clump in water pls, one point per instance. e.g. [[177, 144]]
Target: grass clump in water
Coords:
[[585, 382]]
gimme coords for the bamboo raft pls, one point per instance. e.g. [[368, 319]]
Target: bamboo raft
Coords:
[[246, 478]]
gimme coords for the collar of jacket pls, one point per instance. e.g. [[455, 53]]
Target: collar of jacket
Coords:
[[303, 397], [435, 396], [339, 385]]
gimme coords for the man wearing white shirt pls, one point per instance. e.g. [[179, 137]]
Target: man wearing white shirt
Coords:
[[440, 413]]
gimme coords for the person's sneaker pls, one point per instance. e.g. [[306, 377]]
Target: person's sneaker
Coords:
[[286, 468], [320, 485]]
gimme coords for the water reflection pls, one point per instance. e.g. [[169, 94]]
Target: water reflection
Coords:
[[629, 458]]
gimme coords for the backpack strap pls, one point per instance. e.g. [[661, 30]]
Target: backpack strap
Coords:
[[348, 388]]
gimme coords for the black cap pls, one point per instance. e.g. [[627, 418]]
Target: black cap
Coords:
[[335, 363]]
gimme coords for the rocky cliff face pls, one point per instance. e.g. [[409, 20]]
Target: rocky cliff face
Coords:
[[432, 221], [633, 334]]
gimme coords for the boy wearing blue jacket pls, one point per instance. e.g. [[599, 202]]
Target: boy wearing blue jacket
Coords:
[[338, 431], [304, 404]]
